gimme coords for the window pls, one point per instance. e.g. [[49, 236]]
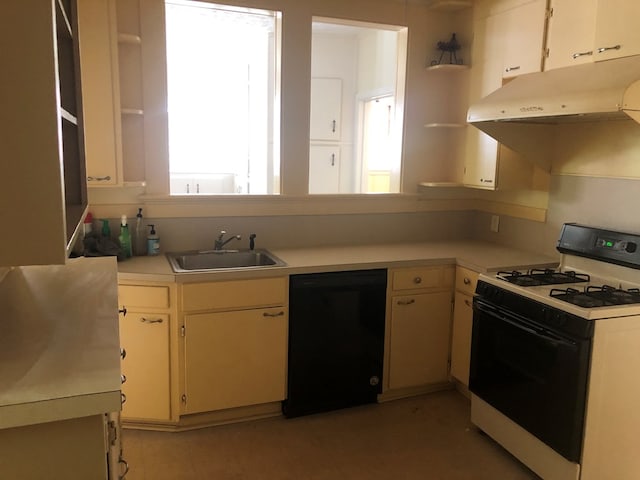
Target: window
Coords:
[[358, 75], [222, 108]]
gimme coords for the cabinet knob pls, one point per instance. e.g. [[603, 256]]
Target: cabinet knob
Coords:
[[604, 49], [123, 378], [467, 302], [123, 398], [466, 281], [417, 280]]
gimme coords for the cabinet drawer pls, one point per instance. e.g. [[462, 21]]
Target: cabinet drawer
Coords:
[[132, 296], [422, 277], [235, 294], [466, 280]]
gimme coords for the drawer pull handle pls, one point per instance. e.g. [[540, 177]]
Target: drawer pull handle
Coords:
[[467, 302], [269, 314], [123, 398], [123, 353], [124, 468], [466, 281], [511, 69], [154, 320], [123, 379], [123, 311], [417, 280], [407, 302], [581, 54], [106, 178]]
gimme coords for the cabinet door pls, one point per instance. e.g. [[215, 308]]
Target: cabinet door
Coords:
[[617, 32], [571, 33], [461, 337], [324, 169], [100, 92], [145, 337], [481, 161], [524, 28], [234, 359], [420, 329], [326, 108]]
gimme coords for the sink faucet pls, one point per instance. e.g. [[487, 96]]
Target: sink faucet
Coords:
[[221, 243]]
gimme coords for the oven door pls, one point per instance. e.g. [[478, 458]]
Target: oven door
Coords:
[[536, 377]]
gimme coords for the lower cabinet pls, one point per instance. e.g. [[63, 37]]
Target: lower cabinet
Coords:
[[466, 281], [420, 329], [145, 337], [235, 359], [234, 342], [420, 326]]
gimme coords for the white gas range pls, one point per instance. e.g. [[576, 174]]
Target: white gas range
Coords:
[[556, 355]]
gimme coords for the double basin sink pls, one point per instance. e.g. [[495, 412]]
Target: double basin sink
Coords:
[[211, 260]]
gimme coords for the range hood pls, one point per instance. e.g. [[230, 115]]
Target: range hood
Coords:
[[589, 92]]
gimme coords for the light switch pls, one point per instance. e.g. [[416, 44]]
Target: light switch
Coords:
[[495, 223]]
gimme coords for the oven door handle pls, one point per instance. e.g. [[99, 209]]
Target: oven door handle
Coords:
[[521, 324]]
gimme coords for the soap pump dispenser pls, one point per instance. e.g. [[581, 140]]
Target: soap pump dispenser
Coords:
[[153, 241]]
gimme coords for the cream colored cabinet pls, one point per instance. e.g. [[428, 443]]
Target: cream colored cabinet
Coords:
[[73, 448], [571, 31], [466, 281], [420, 323], [617, 34], [523, 31], [235, 343], [101, 91], [145, 336], [582, 31], [41, 138]]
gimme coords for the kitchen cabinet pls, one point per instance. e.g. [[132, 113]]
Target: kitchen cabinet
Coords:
[[101, 92], [326, 109], [145, 335], [42, 136], [73, 448], [235, 343], [420, 326], [466, 281], [591, 30], [571, 31], [522, 30], [324, 169]]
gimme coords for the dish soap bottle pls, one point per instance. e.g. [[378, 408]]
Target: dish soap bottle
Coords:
[[138, 237], [125, 237], [153, 241]]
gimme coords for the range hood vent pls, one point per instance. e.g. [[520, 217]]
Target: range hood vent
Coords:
[[598, 91]]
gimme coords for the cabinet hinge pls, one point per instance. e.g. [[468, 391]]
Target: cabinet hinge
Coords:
[[550, 13], [184, 399], [182, 331], [546, 52], [112, 434]]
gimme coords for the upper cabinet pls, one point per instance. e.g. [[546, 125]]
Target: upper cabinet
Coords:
[[582, 31], [617, 32], [42, 139], [326, 108], [522, 29]]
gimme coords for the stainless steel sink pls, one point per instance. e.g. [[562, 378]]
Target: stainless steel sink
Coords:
[[208, 260]]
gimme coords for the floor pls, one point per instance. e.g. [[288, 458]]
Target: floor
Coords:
[[428, 438]]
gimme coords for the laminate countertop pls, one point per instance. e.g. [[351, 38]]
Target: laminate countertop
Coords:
[[479, 256]]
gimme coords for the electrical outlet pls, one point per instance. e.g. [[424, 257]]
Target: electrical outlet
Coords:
[[495, 223]]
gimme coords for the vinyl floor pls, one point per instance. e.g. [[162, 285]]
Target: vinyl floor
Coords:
[[429, 437]]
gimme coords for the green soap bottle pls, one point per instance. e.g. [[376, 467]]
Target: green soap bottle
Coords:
[[125, 237], [106, 231]]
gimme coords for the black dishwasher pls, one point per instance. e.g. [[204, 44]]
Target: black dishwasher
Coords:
[[336, 340]]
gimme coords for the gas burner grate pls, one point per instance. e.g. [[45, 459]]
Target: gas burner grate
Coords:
[[536, 277], [597, 296]]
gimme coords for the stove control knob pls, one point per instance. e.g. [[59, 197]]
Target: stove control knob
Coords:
[[631, 247]]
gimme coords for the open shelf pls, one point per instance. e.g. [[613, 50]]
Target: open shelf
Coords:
[[449, 5], [441, 184], [445, 125], [447, 66]]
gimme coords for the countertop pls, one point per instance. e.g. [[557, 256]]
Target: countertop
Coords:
[[479, 256]]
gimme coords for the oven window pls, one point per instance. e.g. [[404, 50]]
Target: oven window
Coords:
[[535, 377]]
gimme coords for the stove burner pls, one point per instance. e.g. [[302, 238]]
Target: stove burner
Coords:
[[597, 296], [537, 276]]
